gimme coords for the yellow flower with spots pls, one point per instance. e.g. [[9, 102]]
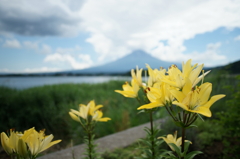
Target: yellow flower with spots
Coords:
[[178, 78], [154, 75], [137, 76], [37, 141], [90, 111], [27, 145], [159, 96], [10, 143], [129, 91], [196, 100], [173, 139], [97, 116]]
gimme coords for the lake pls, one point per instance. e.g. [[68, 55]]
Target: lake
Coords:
[[28, 82]]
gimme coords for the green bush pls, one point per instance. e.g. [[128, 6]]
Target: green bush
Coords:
[[47, 108], [230, 122]]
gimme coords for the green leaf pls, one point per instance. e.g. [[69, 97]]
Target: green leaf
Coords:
[[169, 154], [179, 124], [186, 146], [141, 111], [177, 149], [191, 126], [192, 154], [200, 117]]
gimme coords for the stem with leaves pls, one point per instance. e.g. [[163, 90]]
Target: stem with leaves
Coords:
[[89, 140], [152, 136]]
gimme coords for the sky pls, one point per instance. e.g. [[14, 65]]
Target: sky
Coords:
[[56, 35]]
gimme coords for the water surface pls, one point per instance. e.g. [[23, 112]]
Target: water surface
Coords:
[[28, 82]]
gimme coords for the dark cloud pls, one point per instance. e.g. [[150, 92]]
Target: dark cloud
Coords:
[[46, 20], [41, 27]]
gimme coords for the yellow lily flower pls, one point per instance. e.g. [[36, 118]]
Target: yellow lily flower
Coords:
[[154, 75], [30, 140], [173, 139], [97, 116], [159, 96], [37, 141], [178, 79], [22, 148], [83, 111], [92, 107], [6, 144], [196, 100], [137, 76], [129, 91], [88, 110], [10, 144]]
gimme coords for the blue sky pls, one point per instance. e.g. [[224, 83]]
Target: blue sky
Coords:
[[65, 35]]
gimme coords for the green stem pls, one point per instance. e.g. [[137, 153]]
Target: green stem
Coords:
[[183, 131], [191, 121], [89, 145], [171, 114], [192, 118], [90, 140], [179, 116], [152, 136], [183, 138], [188, 117]]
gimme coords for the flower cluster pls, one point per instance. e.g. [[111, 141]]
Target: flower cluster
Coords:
[[182, 92], [88, 113], [173, 86], [173, 139], [28, 144]]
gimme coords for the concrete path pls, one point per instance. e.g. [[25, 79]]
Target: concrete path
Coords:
[[107, 143]]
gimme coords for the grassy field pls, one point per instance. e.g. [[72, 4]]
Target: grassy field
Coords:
[[47, 108]]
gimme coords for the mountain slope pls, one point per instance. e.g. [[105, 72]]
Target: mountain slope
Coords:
[[232, 68], [125, 64]]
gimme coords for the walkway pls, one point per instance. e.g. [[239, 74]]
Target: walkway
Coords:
[[107, 143]]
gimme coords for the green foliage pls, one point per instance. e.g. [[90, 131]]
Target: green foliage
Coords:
[[230, 122], [208, 131], [129, 152], [151, 150], [90, 152], [178, 154], [47, 108]]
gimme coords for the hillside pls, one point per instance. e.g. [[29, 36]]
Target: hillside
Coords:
[[232, 68], [125, 64]]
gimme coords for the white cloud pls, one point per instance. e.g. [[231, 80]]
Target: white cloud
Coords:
[[118, 27], [46, 49], [210, 57], [34, 45], [12, 44], [68, 50], [31, 45], [42, 69], [86, 58], [70, 60], [237, 38]]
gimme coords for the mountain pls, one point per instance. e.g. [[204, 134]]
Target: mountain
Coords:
[[232, 68], [125, 64]]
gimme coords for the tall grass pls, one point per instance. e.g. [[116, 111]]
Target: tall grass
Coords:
[[47, 107]]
